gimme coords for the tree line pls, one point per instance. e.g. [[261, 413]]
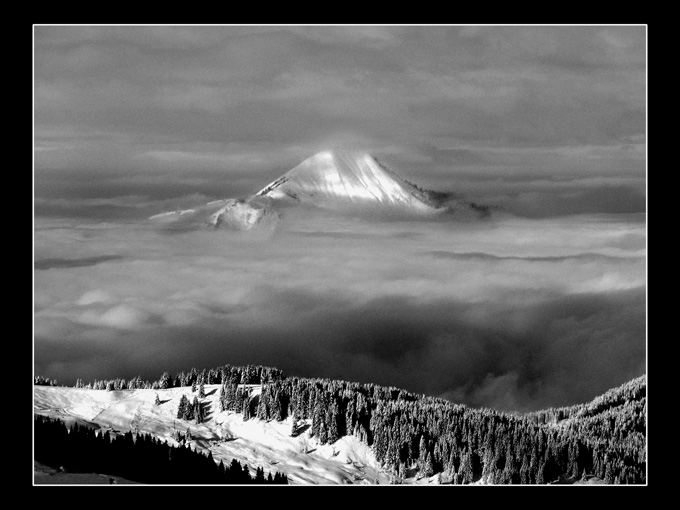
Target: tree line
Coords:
[[136, 457], [249, 374], [424, 435], [417, 434], [39, 380]]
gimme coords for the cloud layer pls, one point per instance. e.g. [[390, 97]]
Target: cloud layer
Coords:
[[540, 313]]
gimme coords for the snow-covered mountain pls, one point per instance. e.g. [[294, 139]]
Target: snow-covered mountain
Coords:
[[334, 180]]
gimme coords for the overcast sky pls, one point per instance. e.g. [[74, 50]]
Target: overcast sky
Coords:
[[543, 304], [166, 111]]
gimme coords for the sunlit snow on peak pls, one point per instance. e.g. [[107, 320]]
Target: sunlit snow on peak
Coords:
[[332, 178]]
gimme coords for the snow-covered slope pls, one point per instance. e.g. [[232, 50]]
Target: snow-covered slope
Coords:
[[332, 179], [254, 442]]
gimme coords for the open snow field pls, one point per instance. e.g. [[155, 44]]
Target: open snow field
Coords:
[[255, 442]]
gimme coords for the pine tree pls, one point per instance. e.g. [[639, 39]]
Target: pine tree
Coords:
[[157, 401], [331, 420], [223, 403], [198, 411], [422, 453], [392, 455], [177, 436], [465, 474], [541, 473], [201, 391], [609, 474], [182, 407], [427, 470], [524, 471], [510, 475], [245, 408], [323, 433], [259, 475], [232, 398], [165, 381], [488, 461]]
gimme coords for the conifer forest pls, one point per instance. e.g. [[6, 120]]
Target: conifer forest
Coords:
[[605, 437]]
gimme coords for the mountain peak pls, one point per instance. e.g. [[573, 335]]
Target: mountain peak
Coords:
[[331, 179], [334, 178]]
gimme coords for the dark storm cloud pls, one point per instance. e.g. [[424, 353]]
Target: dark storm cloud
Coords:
[[444, 348], [70, 358], [44, 264], [513, 355]]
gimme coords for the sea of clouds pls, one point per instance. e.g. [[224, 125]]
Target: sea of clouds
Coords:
[[505, 312]]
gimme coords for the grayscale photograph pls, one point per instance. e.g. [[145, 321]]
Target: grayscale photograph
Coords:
[[340, 255]]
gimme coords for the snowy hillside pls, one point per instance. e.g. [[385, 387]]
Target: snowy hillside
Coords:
[[414, 439], [255, 442]]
